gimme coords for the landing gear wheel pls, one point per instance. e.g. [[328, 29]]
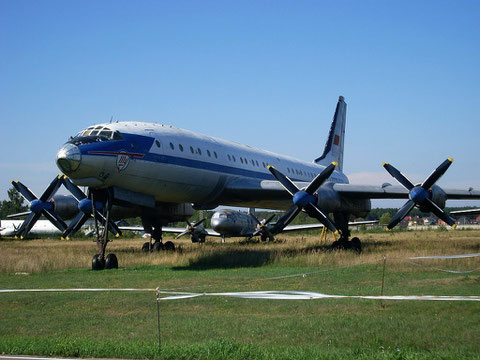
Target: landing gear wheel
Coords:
[[111, 262], [158, 246], [97, 262], [146, 247], [169, 246], [356, 244], [201, 239]]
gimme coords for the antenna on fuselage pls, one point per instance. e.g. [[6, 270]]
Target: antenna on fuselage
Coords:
[[111, 119]]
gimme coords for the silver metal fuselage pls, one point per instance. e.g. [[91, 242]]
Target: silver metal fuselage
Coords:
[[178, 166]]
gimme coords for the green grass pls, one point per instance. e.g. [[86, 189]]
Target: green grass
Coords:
[[125, 324]]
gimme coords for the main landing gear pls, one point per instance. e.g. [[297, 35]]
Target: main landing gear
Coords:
[[155, 243], [341, 220]]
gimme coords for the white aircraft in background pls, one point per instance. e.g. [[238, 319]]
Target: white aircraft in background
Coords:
[[41, 227], [158, 171], [230, 223]]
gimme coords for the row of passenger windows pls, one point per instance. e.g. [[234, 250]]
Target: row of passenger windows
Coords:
[[242, 160], [198, 151]]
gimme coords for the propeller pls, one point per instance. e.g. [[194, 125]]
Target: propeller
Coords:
[[87, 208], [190, 229], [40, 206], [419, 195], [304, 199], [262, 226]]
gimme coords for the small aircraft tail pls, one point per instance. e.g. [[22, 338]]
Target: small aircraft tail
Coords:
[[334, 146]]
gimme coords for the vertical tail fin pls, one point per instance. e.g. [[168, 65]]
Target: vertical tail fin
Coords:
[[334, 146]]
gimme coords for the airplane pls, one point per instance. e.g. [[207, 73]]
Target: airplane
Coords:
[[230, 223], [146, 166], [41, 227]]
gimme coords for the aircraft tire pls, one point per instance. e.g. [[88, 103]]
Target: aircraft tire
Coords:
[[111, 262], [356, 244], [146, 247], [158, 246], [169, 246], [97, 263]]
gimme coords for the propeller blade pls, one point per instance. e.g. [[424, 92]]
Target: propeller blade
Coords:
[[404, 210], [437, 174], [286, 219], [315, 212], [77, 193], [52, 188], [285, 181], [112, 227], [56, 220], [269, 219], [182, 233], [199, 222], [76, 224], [441, 214], [24, 191], [398, 176], [320, 178], [28, 224], [23, 225]]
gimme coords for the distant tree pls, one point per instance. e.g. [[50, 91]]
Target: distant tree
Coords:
[[14, 205], [385, 218]]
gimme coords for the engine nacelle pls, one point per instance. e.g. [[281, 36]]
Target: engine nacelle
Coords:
[[438, 196], [330, 201]]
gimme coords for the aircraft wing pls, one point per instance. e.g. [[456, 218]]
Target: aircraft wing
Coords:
[[265, 190], [172, 230], [319, 226], [466, 212], [397, 192]]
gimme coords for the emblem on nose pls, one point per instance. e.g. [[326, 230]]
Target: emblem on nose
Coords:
[[122, 161]]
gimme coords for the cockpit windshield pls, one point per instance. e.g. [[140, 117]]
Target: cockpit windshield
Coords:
[[100, 131]]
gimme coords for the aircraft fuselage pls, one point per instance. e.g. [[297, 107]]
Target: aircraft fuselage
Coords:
[[175, 165]]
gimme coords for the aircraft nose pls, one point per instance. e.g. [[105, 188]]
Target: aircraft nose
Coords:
[[219, 224], [69, 158]]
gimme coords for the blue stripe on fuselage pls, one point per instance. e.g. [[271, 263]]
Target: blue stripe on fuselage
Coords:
[[139, 144]]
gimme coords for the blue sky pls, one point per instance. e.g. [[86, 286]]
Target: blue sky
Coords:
[[264, 73]]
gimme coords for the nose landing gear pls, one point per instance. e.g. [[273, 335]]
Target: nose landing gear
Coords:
[[99, 261]]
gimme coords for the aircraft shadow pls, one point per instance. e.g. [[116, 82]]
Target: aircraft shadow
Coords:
[[229, 259]]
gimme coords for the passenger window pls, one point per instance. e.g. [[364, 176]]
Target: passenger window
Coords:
[[171, 146], [234, 159], [215, 153], [180, 147], [157, 143], [208, 153], [191, 150], [241, 160], [229, 158], [199, 152]]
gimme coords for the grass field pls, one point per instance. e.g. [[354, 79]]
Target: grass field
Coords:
[[125, 324]]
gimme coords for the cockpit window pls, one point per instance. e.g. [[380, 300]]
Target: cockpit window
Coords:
[[100, 131], [96, 134]]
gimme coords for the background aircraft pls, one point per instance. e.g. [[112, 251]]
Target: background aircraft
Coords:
[[41, 227], [149, 166], [230, 223]]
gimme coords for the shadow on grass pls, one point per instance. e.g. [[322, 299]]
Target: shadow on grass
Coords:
[[229, 259], [237, 258]]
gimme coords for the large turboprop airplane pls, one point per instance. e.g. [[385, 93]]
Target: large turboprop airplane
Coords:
[[150, 165]]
